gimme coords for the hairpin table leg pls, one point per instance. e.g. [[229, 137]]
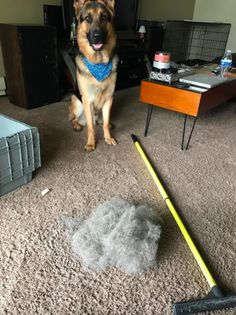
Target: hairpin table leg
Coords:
[[190, 135], [149, 114]]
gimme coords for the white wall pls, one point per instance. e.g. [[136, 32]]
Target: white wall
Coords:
[[162, 10], [219, 11], [22, 11]]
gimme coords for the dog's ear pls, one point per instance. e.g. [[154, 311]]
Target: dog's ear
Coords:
[[110, 4], [78, 5]]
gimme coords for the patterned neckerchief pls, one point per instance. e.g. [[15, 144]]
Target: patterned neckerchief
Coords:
[[100, 71]]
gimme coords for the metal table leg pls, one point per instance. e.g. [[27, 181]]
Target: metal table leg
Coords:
[[149, 114], [190, 135]]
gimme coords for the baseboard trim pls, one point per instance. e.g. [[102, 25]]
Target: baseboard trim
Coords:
[[2, 86]]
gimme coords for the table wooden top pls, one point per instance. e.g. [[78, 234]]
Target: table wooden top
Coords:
[[183, 100]]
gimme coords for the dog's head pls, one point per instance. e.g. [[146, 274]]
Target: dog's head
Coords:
[[95, 31]]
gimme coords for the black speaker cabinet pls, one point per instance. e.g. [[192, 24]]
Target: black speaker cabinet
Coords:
[[131, 67], [30, 61]]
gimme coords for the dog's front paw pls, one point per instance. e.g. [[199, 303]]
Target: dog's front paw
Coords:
[[89, 147], [111, 141]]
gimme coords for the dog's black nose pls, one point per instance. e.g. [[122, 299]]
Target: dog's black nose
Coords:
[[97, 39], [97, 35]]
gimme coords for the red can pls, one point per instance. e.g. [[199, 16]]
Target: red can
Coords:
[[161, 60]]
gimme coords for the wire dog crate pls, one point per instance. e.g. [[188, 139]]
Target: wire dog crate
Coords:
[[190, 40]]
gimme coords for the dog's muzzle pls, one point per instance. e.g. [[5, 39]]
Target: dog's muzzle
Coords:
[[97, 39]]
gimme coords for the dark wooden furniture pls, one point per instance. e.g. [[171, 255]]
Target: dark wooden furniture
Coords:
[[184, 100], [30, 61], [132, 66]]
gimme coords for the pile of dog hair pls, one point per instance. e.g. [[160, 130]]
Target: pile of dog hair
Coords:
[[117, 234]]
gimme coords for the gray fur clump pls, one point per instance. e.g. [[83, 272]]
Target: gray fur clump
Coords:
[[117, 234]]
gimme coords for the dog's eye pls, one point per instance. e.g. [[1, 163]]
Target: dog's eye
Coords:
[[88, 19], [104, 18]]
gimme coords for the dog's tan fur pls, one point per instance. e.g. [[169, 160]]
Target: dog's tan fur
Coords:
[[96, 95]]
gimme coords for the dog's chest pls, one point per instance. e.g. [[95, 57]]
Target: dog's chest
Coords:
[[95, 92]]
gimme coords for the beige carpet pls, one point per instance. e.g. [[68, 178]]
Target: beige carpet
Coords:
[[38, 273]]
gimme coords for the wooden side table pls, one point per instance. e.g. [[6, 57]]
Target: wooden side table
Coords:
[[183, 100]]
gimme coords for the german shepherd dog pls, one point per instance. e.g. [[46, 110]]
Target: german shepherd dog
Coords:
[[96, 65]]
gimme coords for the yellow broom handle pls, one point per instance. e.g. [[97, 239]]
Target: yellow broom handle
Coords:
[[177, 218]]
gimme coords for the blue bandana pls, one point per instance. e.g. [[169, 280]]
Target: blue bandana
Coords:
[[100, 71]]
